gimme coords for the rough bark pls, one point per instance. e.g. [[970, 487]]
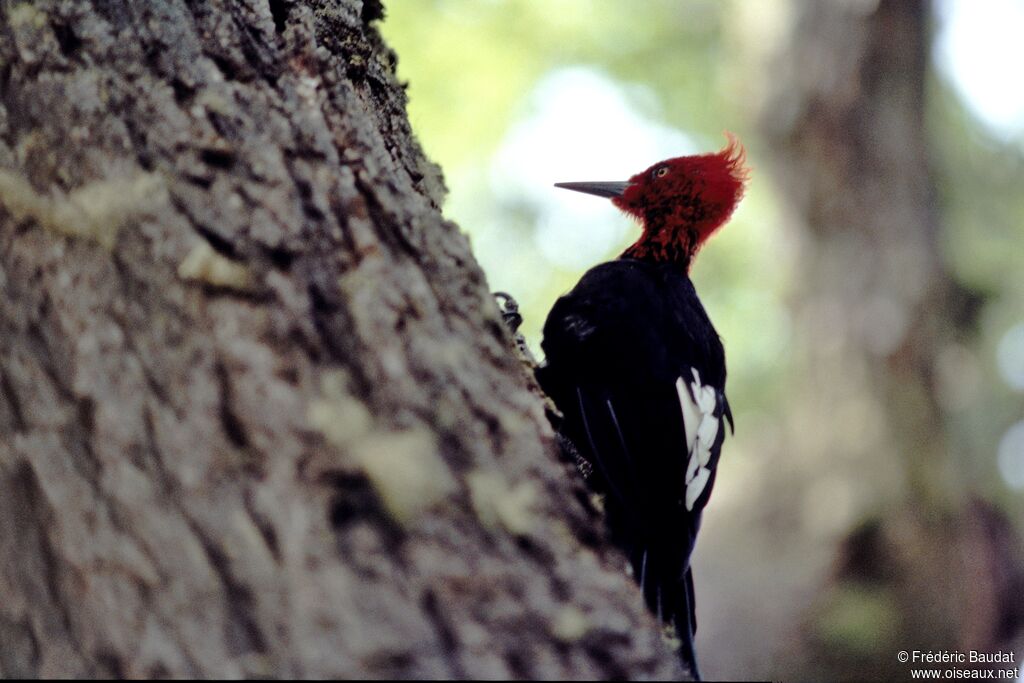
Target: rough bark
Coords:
[[878, 317], [258, 411]]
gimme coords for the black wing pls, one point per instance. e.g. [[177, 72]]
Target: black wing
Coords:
[[638, 372]]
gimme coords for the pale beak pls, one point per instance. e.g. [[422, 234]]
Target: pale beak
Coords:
[[599, 189]]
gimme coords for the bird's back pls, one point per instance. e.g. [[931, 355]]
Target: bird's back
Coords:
[[640, 319]]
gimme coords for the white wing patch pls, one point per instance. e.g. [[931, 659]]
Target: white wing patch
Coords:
[[701, 431]]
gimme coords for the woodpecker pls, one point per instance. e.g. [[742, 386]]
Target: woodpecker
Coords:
[[638, 371]]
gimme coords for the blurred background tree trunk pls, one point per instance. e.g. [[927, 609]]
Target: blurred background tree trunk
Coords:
[[878, 323], [259, 415]]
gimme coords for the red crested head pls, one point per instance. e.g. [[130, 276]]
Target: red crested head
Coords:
[[680, 202]]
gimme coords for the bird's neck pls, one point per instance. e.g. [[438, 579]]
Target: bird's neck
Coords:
[[665, 243]]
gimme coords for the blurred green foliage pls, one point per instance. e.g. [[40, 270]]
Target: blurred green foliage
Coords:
[[471, 63], [980, 205]]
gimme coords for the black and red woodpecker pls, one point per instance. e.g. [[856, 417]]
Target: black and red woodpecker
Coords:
[[638, 371]]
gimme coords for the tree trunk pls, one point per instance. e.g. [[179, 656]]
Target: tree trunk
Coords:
[[879, 317], [258, 412]]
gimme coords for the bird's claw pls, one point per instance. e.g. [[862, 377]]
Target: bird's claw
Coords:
[[513, 319], [509, 311]]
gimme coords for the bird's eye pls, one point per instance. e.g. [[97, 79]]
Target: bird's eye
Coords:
[[661, 172]]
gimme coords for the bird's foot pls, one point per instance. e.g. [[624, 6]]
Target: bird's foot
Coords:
[[509, 308], [513, 319]]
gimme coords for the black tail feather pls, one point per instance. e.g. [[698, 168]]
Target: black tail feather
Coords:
[[670, 597], [685, 620]]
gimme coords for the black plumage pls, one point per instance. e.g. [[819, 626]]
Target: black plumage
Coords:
[[616, 349]]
